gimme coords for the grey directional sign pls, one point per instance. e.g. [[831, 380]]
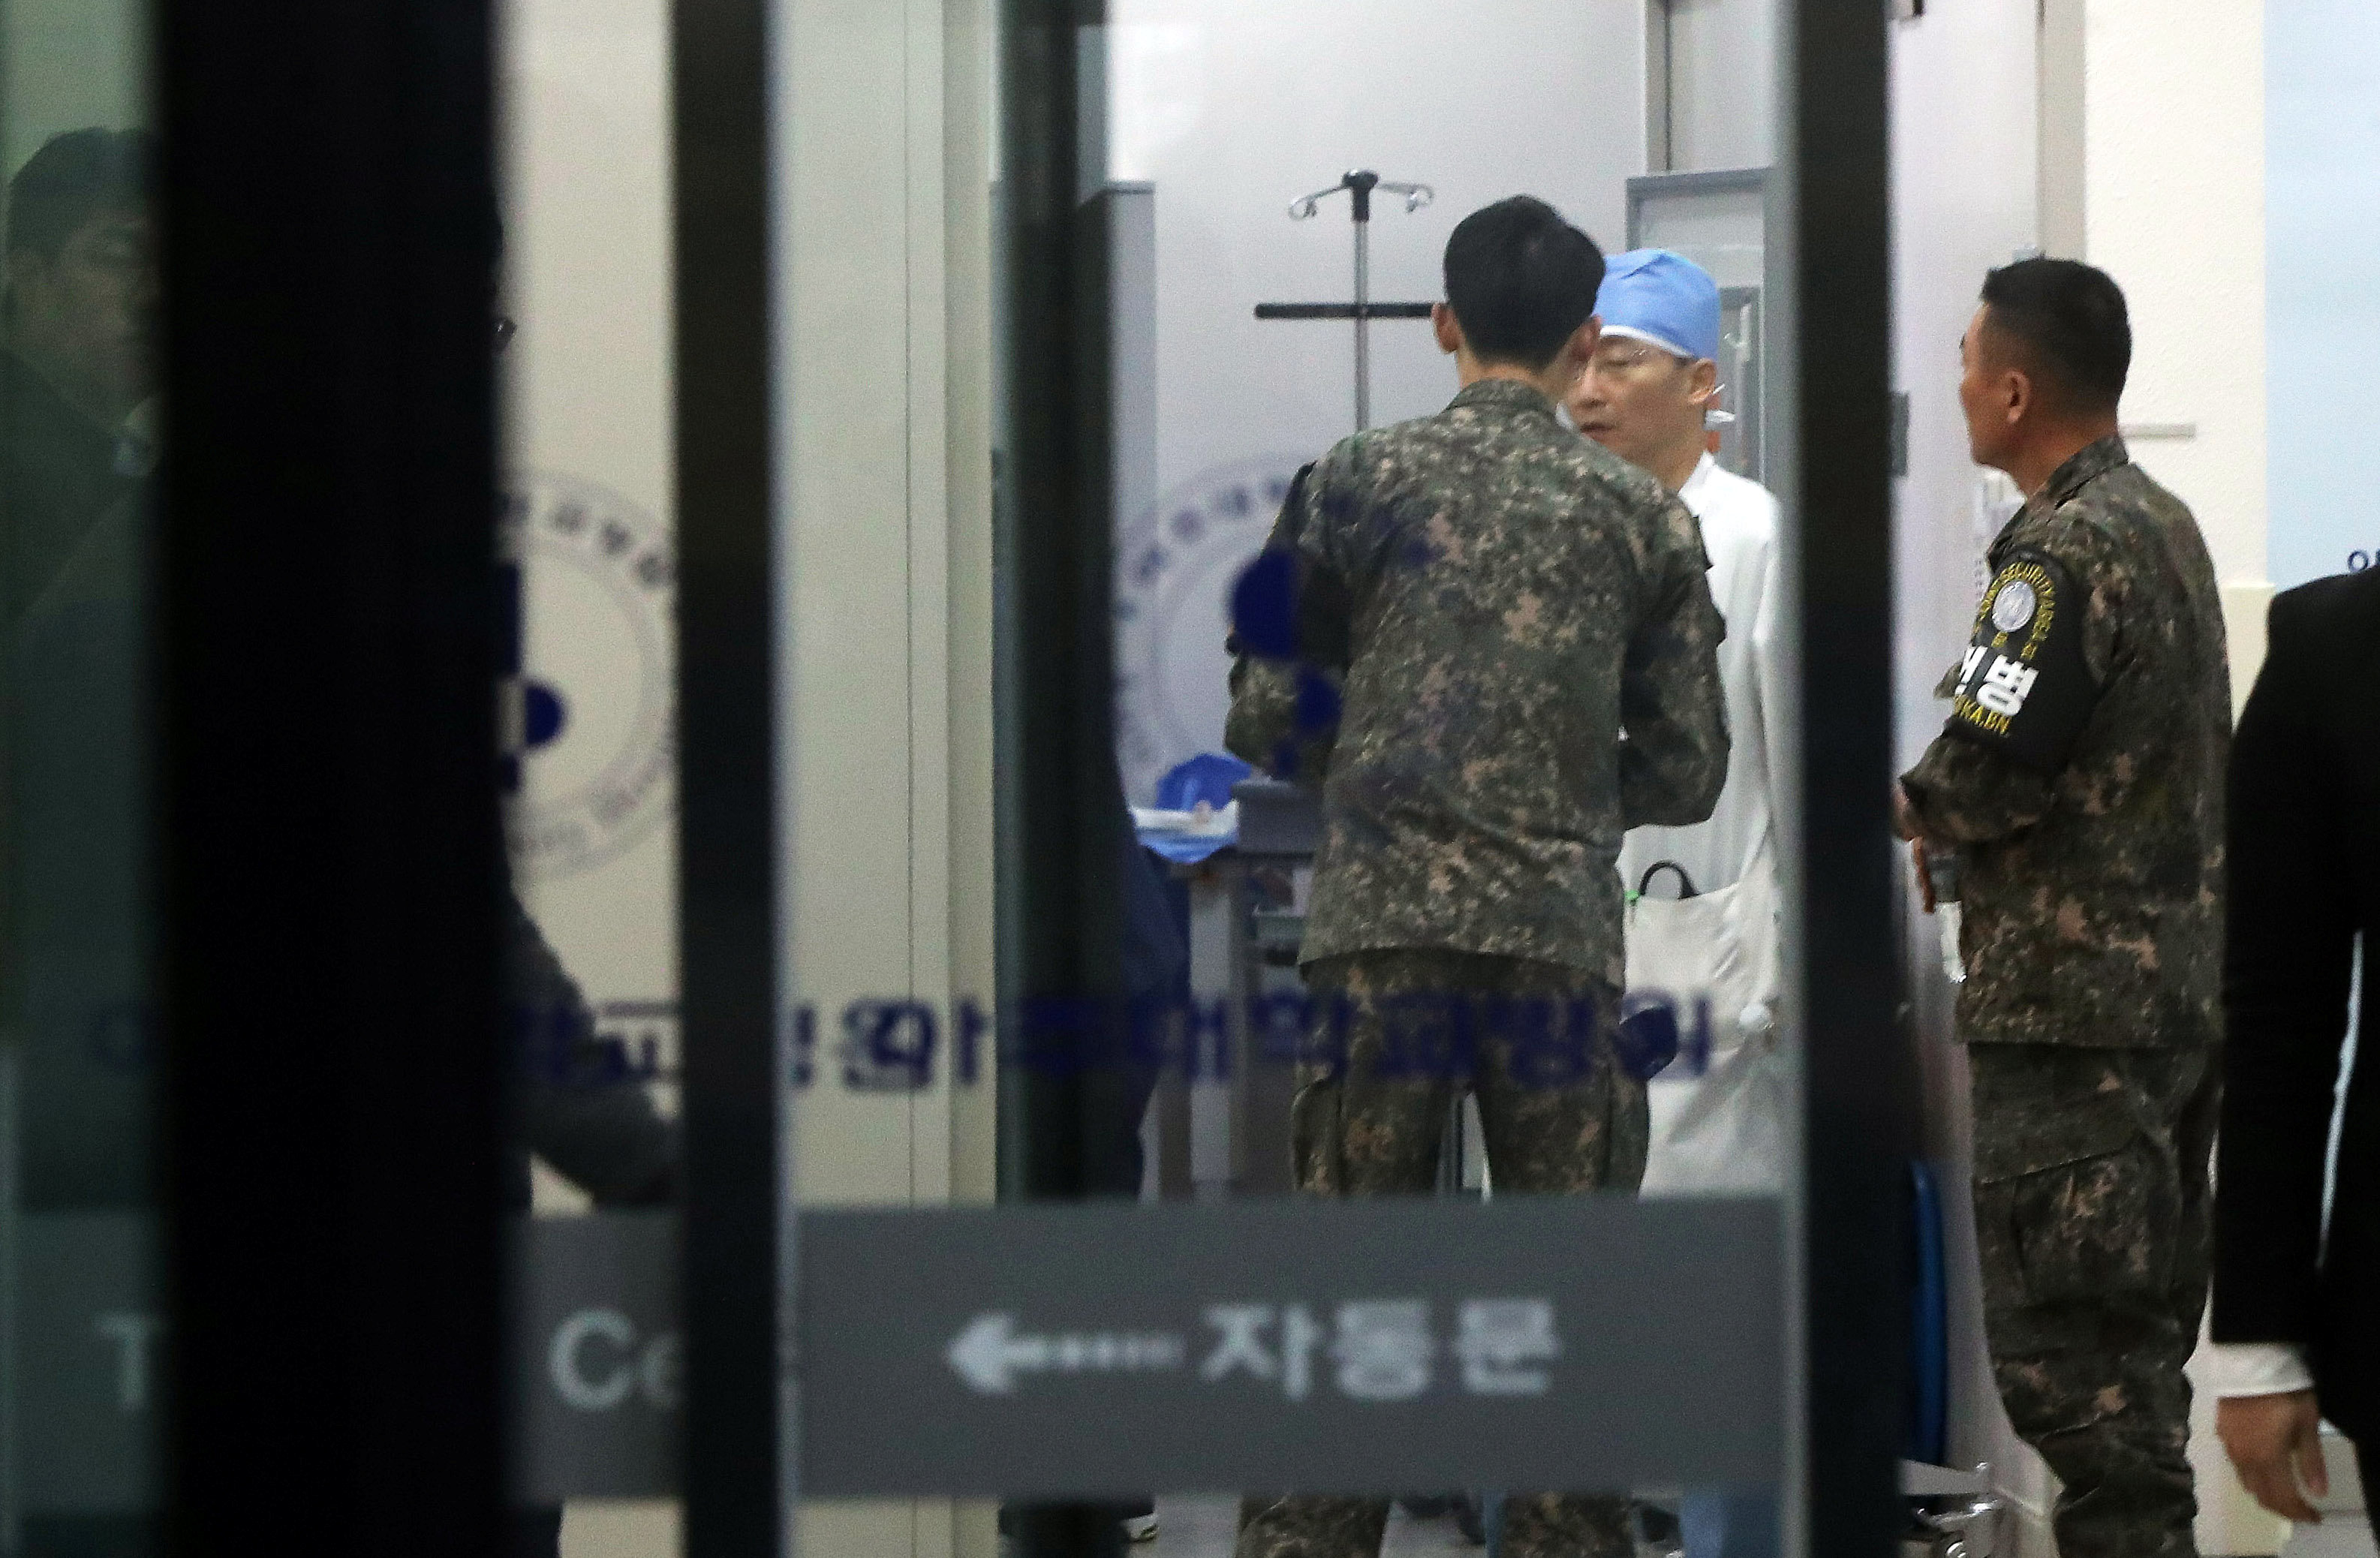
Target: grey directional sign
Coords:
[[597, 1356], [1068, 1350], [596, 1347], [89, 1332], [1327, 1347]]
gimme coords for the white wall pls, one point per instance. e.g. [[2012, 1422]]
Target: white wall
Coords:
[[1232, 108], [883, 433], [584, 178], [1722, 103], [2322, 162], [1235, 107], [2174, 117], [885, 522]]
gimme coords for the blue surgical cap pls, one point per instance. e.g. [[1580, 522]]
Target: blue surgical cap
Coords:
[[1653, 295]]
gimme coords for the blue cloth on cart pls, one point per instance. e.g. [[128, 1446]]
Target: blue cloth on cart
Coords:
[[1208, 777], [1186, 849]]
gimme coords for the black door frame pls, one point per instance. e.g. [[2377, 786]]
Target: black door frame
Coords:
[[736, 1477], [331, 859], [1859, 1099]]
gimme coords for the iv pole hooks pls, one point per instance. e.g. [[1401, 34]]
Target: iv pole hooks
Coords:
[[1363, 182], [1360, 183]]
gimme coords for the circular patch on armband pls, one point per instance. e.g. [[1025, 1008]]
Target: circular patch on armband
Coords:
[[2014, 605]]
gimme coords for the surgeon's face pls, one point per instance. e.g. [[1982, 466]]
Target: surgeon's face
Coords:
[[1643, 404]]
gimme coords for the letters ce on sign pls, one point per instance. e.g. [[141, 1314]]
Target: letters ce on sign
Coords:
[[598, 1356]]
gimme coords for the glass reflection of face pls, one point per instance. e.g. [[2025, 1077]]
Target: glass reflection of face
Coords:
[[89, 311], [1639, 401]]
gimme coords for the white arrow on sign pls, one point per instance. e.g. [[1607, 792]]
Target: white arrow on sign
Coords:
[[990, 1354]]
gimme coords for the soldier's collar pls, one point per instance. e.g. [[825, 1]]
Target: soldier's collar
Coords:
[[1509, 394], [2082, 469]]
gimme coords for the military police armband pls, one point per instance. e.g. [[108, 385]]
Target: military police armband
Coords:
[[2023, 687]]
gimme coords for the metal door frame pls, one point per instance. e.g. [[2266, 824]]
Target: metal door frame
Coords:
[[331, 865]]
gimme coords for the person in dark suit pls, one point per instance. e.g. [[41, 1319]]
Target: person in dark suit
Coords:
[[2297, 1307]]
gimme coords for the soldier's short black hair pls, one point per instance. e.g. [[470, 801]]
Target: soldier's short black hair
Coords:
[[1521, 281], [72, 179], [2070, 320]]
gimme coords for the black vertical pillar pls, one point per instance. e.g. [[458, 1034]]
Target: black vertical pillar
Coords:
[[1061, 809], [727, 832], [1063, 893], [1860, 1093], [331, 866]]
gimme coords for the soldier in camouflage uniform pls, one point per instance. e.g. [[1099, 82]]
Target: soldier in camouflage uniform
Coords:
[[2078, 783], [1502, 656]]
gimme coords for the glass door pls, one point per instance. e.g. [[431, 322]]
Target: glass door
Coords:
[[1349, 1182]]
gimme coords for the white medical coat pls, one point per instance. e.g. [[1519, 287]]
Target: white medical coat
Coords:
[[1739, 521], [1722, 1128]]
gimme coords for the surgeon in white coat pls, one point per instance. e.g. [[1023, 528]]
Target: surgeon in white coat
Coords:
[[1717, 1112]]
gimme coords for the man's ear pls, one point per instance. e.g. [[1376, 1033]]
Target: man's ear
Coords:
[[2019, 396], [1446, 328], [1702, 381]]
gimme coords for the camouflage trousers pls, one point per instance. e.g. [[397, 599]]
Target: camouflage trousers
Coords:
[[1370, 1125], [2091, 1201]]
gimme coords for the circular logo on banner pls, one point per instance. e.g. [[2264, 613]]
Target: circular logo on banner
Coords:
[[2013, 607], [1176, 566], [591, 713]]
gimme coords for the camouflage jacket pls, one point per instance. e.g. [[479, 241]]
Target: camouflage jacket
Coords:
[[1510, 658], [2080, 772]]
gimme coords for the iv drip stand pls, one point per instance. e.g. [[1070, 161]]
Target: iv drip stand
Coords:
[[1359, 183]]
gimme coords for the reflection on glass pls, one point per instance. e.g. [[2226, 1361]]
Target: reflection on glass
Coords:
[[81, 1319]]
